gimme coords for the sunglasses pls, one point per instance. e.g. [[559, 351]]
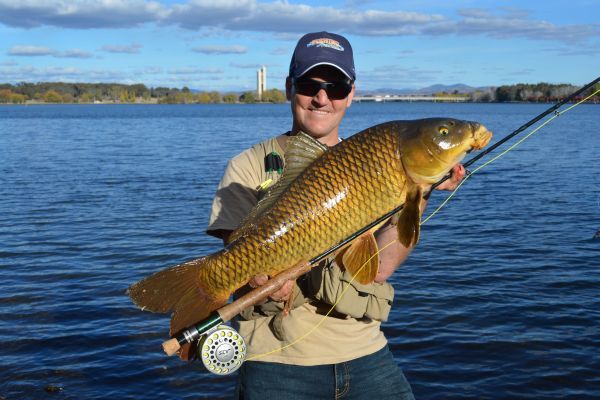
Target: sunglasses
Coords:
[[335, 90]]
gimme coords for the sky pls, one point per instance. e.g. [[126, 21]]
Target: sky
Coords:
[[219, 45]]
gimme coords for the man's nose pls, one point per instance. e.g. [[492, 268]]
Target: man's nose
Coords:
[[321, 97]]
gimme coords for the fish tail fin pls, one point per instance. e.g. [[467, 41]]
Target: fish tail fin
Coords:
[[178, 289]]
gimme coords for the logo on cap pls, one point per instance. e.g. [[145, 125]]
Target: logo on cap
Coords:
[[326, 42]]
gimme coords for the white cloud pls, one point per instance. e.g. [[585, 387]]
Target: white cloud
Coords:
[[65, 74], [205, 13], [512, 23], [281, 19], [38, 51], [29, 51], [195, 71], [380, 77], [74, 53], [122, 49], [80, 14], [220, 49], [151, 76], [591, 50]]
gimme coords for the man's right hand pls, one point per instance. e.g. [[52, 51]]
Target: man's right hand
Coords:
[[282, 294]]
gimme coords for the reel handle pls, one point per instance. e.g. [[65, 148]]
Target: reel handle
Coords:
[[171, 346]]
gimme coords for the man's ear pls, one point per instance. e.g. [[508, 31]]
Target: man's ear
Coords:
[[288, 88]]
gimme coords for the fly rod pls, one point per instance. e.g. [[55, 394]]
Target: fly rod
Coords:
[[222, 350], [466, 164], [527, 125]]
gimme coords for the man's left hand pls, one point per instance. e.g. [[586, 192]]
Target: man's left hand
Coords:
[[456, 175]]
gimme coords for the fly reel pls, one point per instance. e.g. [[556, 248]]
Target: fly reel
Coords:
[[222, 350]]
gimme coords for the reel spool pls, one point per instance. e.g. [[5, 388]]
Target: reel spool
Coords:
[[222, 350]]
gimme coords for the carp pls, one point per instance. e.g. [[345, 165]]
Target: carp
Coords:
[[324, 196]]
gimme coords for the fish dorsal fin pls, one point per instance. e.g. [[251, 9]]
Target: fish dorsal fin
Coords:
[[301, 151]]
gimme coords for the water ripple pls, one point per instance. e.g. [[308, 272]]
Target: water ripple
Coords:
[[498, 301]]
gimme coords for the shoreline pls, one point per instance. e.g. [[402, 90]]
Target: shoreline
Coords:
[[41, 103]]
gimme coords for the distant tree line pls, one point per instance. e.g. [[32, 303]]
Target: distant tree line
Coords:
[[525, 92], [541, 92], [522, 92], [60, 92]]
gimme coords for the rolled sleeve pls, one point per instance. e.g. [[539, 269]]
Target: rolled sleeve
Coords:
[[235, 196]]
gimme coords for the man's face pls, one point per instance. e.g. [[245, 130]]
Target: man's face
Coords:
[[319, 116]]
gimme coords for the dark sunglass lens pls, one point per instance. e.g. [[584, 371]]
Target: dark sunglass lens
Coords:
[[335, 90], [308, 88], [339, 90]]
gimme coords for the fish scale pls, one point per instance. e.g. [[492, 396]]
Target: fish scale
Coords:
[[368, 166], [343, 190]]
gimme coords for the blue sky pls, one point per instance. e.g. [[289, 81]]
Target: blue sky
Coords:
[[219, 45]]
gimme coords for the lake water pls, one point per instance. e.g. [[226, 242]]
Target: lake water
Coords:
[[500, 299]]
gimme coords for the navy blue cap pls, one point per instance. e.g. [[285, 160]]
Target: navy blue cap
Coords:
[[322, 48]]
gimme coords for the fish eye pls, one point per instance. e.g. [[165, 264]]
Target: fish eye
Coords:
[[443, 130]]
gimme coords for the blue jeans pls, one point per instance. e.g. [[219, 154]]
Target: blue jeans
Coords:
[[375, 376]]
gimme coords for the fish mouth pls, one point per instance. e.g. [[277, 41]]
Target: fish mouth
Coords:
[[481, 136]]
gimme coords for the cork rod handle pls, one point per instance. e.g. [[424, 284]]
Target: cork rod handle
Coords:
[[262, 292]]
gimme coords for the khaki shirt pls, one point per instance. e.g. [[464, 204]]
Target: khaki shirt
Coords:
[[310, 337]]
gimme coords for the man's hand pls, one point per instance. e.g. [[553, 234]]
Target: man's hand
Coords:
[[456, 175], [284, 292]]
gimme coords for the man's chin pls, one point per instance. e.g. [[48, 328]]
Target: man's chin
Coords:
[[318, 130]]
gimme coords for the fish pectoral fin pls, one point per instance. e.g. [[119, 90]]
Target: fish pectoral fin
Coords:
[[361, 258], [409, 220]]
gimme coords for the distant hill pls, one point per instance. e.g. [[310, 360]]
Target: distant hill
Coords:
[[429, 90]]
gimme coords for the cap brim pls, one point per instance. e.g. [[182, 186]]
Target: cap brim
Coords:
[[326, 63]]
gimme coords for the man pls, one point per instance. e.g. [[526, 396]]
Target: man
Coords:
[[347, 356]]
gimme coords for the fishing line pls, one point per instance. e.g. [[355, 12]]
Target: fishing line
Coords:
[[211, 323], [466, 164], [324, 318], [556, 115], [443, 204]]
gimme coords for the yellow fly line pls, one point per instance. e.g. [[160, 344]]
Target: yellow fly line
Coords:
[[443, 204], [556, 115], [322, 320]]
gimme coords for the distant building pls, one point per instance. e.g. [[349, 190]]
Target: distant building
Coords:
[[261, 81]]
